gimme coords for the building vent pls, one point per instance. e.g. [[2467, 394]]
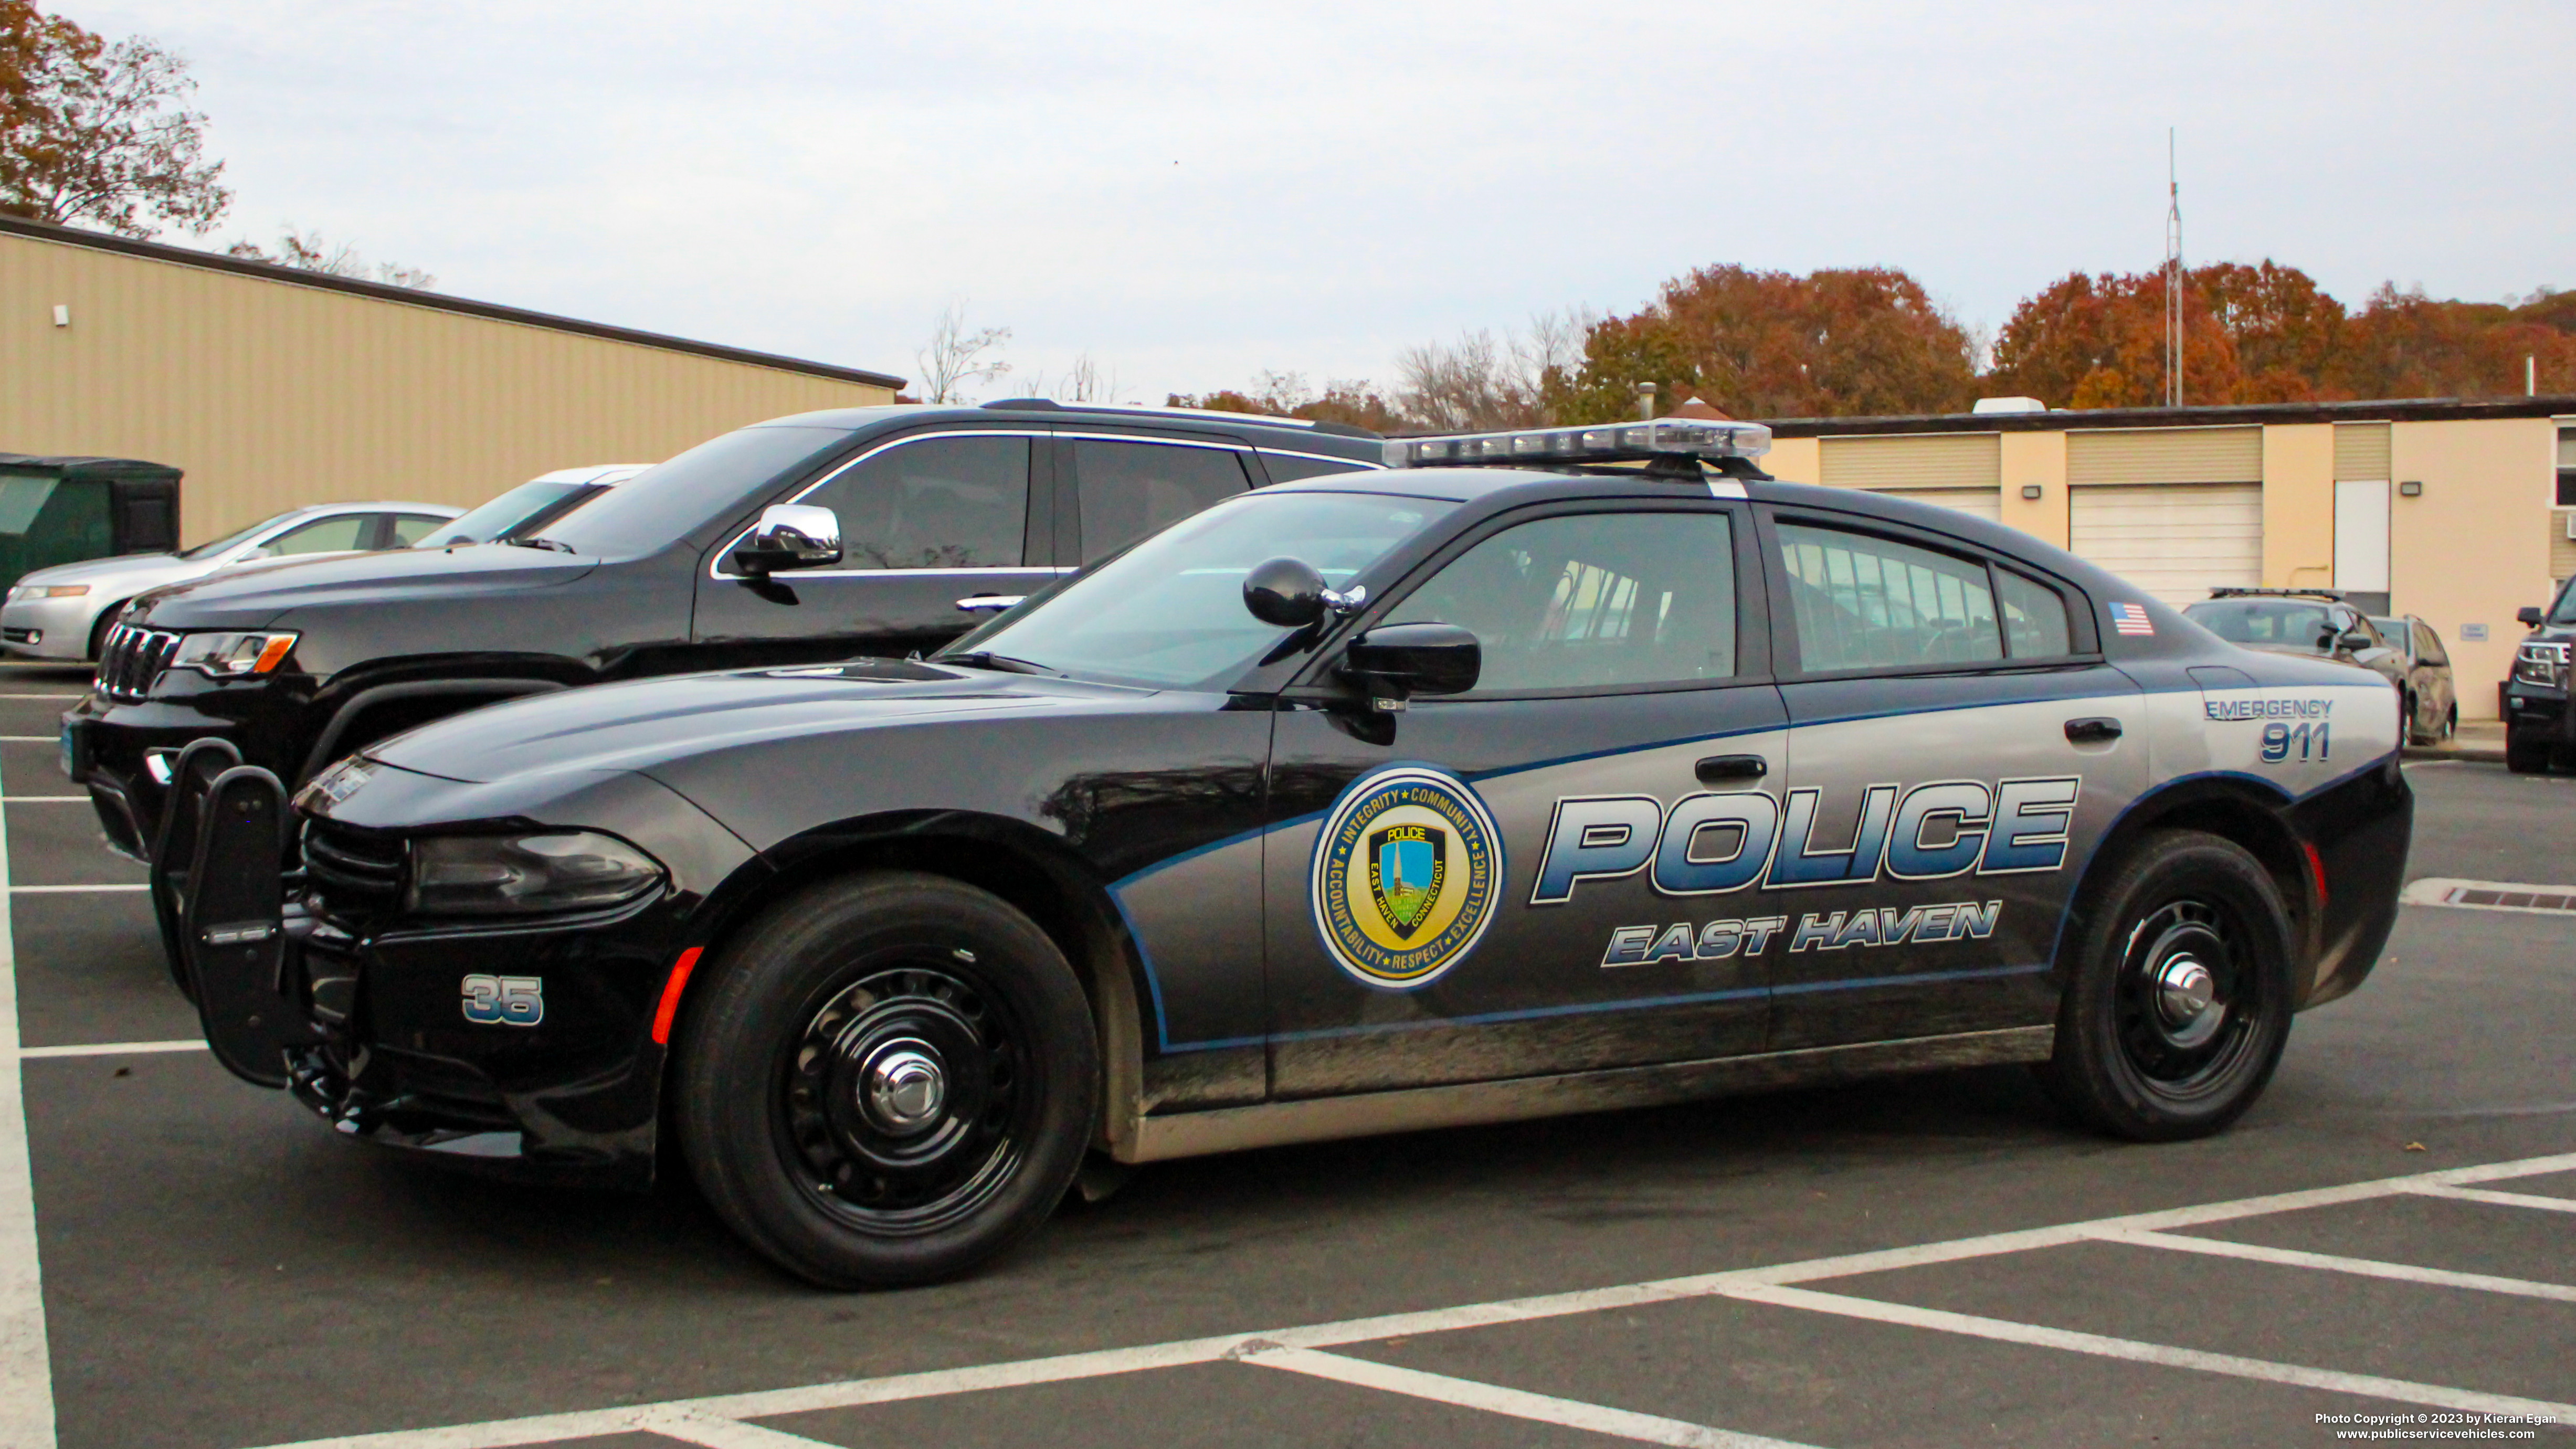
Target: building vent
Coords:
[[2361, 453], [2164, 455]]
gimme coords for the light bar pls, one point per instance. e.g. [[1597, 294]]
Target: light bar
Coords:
[[1607, 443]]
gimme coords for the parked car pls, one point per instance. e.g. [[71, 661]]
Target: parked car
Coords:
[[2314, 622], [525, 511], [64, 612], [1423, 797], [935, 518], [2539, 727], [2432, 695]]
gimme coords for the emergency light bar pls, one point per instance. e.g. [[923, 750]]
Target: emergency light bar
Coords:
[[1607, 443]]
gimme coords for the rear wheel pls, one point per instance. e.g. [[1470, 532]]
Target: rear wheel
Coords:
[[2524, 755], [2179, 1001], [889, 1079], [2414, 717]]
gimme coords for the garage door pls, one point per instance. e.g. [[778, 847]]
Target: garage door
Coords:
[[1986, 503], [2177, 541]]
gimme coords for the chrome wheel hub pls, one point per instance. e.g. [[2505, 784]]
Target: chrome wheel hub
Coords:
[[2185, 992], [904, 1088]]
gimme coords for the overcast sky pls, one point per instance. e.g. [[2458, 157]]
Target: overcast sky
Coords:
[[1193, 192]]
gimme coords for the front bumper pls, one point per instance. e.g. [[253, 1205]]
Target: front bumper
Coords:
[[2536, 712], [56, 629], [113, 745]]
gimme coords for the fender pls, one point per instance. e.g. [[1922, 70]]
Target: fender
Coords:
[[325, 745]]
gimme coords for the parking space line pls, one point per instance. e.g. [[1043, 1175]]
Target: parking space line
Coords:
[[2497, 1199], [1495, 1399], [1101, 1363], [2297, 1375], [55, 890], [2358, 1267], [108, 1049], [30, 739], [41, 696], [26, 1365], [42, 799], [714, 1433]]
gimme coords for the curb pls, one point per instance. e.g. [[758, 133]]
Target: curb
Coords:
[[2473, 754]]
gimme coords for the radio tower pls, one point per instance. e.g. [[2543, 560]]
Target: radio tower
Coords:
[[2173, 277]]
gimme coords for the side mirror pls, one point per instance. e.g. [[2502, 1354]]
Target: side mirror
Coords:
[[1401, 660], [1289, 593], [789, 536], [2528, 616], [2356, 640]]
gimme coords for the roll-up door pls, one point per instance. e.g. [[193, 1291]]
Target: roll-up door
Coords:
[[1953, 470], [2164, 455], [2177, 541]]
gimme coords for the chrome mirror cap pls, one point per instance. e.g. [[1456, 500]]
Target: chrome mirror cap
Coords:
[[790, 536]]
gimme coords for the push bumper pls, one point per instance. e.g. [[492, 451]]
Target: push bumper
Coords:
[[2532, 712]]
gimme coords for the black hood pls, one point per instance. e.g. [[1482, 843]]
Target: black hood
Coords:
[[260, 595]]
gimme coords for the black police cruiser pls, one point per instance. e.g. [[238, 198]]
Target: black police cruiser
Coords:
[[901, 524], [2539, 728], [1504, 783]]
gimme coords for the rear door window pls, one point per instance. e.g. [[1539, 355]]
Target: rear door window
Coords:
[[1862, 602], [338, 533], [2428, 645], [410, 528], [1128, 490]]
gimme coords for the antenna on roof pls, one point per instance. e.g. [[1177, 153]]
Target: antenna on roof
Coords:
[[2173, 276]]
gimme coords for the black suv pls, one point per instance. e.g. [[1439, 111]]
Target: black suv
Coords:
[[2539, 728], [800, 540]]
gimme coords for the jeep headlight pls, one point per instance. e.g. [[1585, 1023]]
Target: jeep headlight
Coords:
[[520, 875], [227, 655], [2543, 664]]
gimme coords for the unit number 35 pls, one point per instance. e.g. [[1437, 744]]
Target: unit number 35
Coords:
[[505, 1000]]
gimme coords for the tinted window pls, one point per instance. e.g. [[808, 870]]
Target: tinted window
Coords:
[[1170, 610], [940, 503], [1288, 467], [1592, 601], [1129, 490], [411, 528], [2428, 645], [209, 550], [2277, 625], [2034, 618], [1871, 603], [498, 516], [329, 535], [711, 481]]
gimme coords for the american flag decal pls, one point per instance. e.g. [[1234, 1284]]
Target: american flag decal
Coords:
[[2131, 619]]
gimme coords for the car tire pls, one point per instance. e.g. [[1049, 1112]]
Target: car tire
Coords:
[[2525, 756], [886, 1079], [2411, 715], [99, 626], [2134, 1059]]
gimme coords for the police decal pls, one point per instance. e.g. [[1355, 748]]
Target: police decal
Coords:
[[1406, 873]]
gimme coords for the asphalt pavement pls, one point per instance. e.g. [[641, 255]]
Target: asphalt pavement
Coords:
[[1930, 1260]]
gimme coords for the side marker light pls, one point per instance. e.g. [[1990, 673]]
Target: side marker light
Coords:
[[670, 1007]]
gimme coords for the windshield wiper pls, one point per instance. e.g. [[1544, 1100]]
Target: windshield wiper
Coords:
[[987, 659], [548, 544]]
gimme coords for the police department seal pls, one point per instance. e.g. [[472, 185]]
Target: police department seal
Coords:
[[1406, 873]]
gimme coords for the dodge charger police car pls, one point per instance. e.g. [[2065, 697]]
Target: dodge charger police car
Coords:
[[1543, 772]]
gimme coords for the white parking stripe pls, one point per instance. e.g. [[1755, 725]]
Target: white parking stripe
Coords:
[[2298, 1375], [109, 1049], [56, 890], [42, 696], [43, 799], [2497, 1199], [1495, 1399], [30, 739], [691, 1428], [2358, 1267], [26, 1367], [552, 1428]]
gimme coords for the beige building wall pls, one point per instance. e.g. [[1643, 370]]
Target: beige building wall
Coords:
[[2036, 459], [1796, 460], [2298, 505], [272, 394], [2474, 546]]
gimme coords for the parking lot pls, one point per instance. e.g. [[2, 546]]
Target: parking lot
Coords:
[[1930, 1260]]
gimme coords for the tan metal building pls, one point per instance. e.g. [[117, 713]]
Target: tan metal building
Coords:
[[273, 387], [2459, 512]]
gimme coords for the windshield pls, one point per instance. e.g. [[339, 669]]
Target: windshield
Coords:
[[209, 550], [2268, 623], [1169, 612], [493, 519], [649, 511], [2564, 611]]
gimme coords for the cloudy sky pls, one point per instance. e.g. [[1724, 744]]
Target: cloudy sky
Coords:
[[1190, 193]]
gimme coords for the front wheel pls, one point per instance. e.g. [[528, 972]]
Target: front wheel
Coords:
[[889, 1079], [2178, 1002], [2524, 755]]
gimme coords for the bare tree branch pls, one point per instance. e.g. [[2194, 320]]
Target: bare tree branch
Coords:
[[956, 359]]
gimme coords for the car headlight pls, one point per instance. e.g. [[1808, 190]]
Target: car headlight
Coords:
[[225, 656], [47, 591], [519, 875], [2543, 664]]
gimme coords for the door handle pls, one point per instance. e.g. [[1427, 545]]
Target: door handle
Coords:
[[2092, 731], [982, 603], [1731, 767]]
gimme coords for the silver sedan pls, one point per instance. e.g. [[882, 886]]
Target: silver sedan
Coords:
[[60, 612]]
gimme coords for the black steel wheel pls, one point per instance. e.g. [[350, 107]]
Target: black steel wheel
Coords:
[[2524, 755], [2179, 994], [889, 1079]]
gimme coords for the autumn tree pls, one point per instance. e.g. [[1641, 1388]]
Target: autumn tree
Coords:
[[99, 135], [2099, 342], [1286, 395], [1834, 342], [310, 253], [2405, 344]]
